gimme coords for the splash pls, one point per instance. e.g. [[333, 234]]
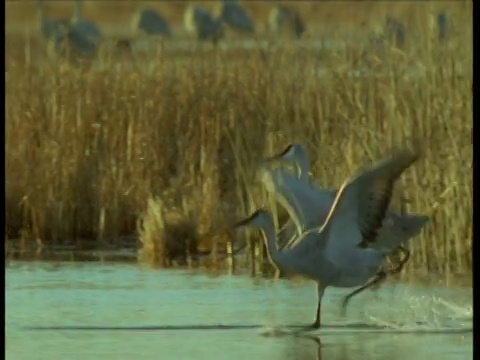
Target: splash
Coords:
[[424, 313], [455, 311]]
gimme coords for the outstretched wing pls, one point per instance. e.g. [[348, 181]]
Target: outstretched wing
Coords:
[[360, 206]]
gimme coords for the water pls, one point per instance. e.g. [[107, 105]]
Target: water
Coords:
[[128, 299]]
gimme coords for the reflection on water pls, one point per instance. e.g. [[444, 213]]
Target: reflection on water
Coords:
[[123, 301]]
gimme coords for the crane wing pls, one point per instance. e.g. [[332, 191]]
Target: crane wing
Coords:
[[360, 206]]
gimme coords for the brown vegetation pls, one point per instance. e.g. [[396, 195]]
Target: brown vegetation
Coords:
[[100, 152]]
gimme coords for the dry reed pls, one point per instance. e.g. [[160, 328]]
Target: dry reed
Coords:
[[167, 146]]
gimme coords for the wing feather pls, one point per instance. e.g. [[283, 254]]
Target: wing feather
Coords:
[[360, 206]]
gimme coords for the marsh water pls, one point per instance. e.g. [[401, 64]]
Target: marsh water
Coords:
[[71, 310]]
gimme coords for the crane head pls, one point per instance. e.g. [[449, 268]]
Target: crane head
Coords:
[[290, 153], [256, 220]]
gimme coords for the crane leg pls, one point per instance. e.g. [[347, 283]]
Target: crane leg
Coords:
[[378, 278], [316, 324], [402, 263]]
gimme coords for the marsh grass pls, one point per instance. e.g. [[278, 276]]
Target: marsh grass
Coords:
[[166, 147]]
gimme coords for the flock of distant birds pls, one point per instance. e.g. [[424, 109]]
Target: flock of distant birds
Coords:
[[83, 37]]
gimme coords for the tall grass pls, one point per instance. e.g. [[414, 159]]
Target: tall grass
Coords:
[[166, 148]]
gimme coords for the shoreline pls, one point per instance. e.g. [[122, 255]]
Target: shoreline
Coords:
[[203, 264]]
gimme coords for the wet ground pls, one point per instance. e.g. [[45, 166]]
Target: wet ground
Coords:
[[123, 311]]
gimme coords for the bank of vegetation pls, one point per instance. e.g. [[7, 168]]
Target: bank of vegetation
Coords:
[[163, 149]]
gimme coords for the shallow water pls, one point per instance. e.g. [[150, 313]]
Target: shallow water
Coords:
[[129, 312]]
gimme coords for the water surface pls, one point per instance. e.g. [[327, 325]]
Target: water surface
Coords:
[[129, 312]]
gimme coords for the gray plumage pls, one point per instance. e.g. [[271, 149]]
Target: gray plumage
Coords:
[[311, 204], [316, 254], [340, 252], [152, 23], [83, 26], [71, 43], [202, 24], [234, 16], [442, 25], [64, 38]]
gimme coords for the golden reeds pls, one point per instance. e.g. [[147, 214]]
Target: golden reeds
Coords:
[[166, 146]]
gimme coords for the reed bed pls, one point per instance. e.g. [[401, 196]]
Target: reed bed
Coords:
[[164, 149]]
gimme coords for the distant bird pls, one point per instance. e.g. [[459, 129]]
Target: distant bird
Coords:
[[152, 23], [83, 26], [340, 253], [202, 24], [50, 28], [65, 39], [235, 17], [442, 25], [285, 19], [395, 31], [71, 43]]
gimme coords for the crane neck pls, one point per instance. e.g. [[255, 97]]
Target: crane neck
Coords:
[[302, 166], [40, 11], [291, 204], [77, 11]]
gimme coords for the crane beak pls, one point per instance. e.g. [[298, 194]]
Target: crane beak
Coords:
[[273, 158], [280, 155], [249, 219], [242, 223]]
